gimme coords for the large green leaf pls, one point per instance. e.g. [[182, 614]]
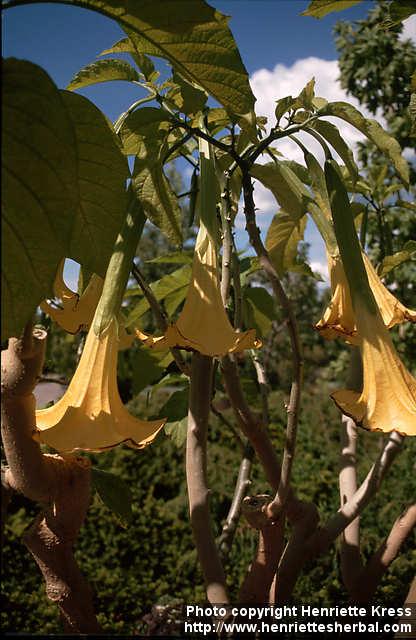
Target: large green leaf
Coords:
[[320, 8], [258, 309], [282, 240], [159, 202], [102, 175], [391, 262], [39, 176], [162, 288], [374, 132], [144, 63], [103, 71], [332, 135], [143, 131], [114, 492], [193, 36], [148, 366], [286, 187], [63, 188]]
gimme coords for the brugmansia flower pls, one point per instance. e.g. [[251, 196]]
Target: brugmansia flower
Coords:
[[388, 398], [203, 324], [387, 401], [91, 416], [77, 311], [339, 319]]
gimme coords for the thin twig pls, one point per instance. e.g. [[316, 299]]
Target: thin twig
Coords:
[[238, 297], [229, 425], [263, 384], [279, 501], [196, 477], [243, 482], [159, 315]]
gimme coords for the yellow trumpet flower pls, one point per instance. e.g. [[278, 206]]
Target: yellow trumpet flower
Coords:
[[203, 324], [339, 319], [91, 416], [388, 398], [77, 311]]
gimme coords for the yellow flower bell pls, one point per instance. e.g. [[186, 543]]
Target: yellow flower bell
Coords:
[[338, 318], [91, 416], [203, 324], [77, 311], [388, 398]]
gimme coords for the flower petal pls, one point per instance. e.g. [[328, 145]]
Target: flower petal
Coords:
[[91, 416]]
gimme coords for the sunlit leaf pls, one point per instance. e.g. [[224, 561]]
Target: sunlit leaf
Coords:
[[286, 187], [282, 240], [332, 135], [320, 8], [391, 262], [177, 431], [258, 309], [161, 288], [194, 37], [103, 71], [143, 130], [144, 63], [374, 132], [159, 202]]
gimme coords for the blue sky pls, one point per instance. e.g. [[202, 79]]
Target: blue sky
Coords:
[[280, 49]]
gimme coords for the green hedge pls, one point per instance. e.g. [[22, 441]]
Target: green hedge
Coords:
[[153, 560]]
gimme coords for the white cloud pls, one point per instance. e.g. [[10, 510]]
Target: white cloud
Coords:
[[409, 29], [270, 85], [321, 268]]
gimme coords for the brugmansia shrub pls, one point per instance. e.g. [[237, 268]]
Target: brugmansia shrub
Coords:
[[202, 365]]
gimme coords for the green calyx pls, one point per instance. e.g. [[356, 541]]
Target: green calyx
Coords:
[[119, 266], [346, 235]]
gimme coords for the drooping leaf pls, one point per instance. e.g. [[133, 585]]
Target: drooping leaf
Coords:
[[258, 309], [179, 257], [174, 300], [102, 175], [144, 63], [194, 37], [59, 201], [286, 187], [115, 494], [177, 431], [161, 288], [306, 96], [391, 262], [176, 406], [103, 71], [374, 132], [159, 202], [320, 8], [39, 175], [188, 98], [282, 240], [143, 131], [332, 135], [282, 106], [148, 366]]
